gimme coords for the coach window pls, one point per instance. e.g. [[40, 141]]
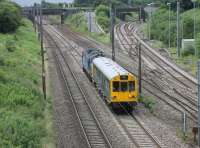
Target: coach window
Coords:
[[131, 85], [124, 86], [115, 86]]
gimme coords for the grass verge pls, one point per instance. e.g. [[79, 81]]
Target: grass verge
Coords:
[[22, 108]]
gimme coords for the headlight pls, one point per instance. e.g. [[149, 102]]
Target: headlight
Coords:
[[114, 97], [131, 96]]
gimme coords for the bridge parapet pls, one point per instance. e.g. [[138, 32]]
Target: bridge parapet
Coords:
[[30, 12], [57, 11], [124, 10]]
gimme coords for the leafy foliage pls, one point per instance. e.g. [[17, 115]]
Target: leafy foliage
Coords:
[[185, 4], [78, 21], [160, 27], [148, 102], [102, 16], [188, 22], [10, 18], [102, 10]]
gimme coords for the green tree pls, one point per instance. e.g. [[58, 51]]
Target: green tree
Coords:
[[159, 26], [102, 10], [102, 13], [10, 17]]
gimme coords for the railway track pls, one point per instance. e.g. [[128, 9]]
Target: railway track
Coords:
[[173, 66], [137, 133], [66, 125], [92, 130], [159, 80], [181, 81], [172, 101], [174, 72], [132, 125], [187, 81], [142, 136]]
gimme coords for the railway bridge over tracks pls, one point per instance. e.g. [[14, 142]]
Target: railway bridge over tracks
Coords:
[[121, 12], [31, 12]]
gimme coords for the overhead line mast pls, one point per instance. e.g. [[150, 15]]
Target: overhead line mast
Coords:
[[42, 53], [178, 28], [112, 37]]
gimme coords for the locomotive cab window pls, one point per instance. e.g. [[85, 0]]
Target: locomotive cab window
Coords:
[[124, 86], [123, 77], [115, 86], [131, 85]]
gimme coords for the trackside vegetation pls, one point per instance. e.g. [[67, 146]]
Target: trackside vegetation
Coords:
[[160, 27], [78, 23], [148, 102], [102, 16], [23, 117], [160, 30]]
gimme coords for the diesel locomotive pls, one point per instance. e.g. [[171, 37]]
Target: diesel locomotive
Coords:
[[117, 85]]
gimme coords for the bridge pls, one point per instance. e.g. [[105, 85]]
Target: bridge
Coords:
[[55, 11], [63, 12], [121, 12]]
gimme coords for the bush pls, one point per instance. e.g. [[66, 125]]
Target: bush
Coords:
[[10, 18], [102, 13], [104, 22], [78, 22], [148, 102], [102, 10]]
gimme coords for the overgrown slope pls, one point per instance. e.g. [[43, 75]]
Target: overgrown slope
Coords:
[[22, 119]]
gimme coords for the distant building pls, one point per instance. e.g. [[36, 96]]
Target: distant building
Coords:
[[188, 44]]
